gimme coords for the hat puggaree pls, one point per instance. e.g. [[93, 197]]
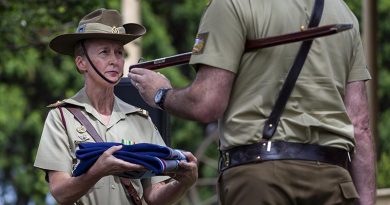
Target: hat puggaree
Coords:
[[99, 24]]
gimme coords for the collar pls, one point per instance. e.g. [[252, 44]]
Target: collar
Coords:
[[120, 109]]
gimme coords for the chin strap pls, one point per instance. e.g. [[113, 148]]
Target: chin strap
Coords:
[[93, 66]]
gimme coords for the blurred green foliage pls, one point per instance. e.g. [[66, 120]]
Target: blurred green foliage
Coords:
[[383, 63], [32, 76]]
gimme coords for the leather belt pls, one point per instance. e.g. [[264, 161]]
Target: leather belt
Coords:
[[280, 150]]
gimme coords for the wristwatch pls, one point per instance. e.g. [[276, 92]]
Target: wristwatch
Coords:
[[159, 98]]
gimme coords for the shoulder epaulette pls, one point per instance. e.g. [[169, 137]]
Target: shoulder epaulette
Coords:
[[142, 112], [56, 104]]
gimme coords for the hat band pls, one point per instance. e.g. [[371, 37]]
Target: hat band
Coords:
[[100, 28]]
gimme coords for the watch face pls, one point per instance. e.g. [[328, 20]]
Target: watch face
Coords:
[[157, 97]]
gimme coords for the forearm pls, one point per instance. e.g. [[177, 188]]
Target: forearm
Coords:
[[206, 99], [67, 190], [188, 103], [363, 165], [169, 193]]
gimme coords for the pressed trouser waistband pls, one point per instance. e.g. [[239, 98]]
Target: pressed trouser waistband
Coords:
[[286, 182], [280, 150]]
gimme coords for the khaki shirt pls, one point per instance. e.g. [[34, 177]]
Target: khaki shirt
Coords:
[[315, 112], [58, 145]]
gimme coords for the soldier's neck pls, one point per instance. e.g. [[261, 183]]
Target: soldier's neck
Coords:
[[102, 99]]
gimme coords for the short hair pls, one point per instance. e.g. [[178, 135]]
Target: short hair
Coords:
[[78, 50]]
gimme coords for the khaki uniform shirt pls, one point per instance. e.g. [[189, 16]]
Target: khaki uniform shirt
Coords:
[[58, 145], [315, 112]]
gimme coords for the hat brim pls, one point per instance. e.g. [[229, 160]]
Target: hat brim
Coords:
[[64, 44]]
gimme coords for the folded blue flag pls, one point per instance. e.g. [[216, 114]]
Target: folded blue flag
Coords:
[[156, 158]]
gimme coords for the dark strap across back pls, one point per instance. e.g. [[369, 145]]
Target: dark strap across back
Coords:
[[273, 120]]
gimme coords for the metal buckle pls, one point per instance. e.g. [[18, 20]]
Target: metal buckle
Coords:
[[349, 157], [226, 159], [267, 143]]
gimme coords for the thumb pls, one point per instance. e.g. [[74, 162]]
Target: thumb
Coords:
[[113, 149]]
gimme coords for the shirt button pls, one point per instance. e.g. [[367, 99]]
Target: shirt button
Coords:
[[112, 186]]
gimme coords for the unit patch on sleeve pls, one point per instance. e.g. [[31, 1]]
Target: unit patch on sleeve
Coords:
[[200, 43]]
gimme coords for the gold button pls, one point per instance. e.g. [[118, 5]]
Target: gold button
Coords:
[[81, 129]]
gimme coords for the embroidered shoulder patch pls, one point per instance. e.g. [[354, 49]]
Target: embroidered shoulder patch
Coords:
[[200, 43]]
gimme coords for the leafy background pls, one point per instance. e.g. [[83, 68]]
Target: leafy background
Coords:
[[32, 76]]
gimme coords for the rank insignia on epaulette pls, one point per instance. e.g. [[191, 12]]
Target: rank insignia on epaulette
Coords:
[[143, 112], [56, 104]]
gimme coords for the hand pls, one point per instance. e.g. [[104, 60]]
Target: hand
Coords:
[[107, 164], [148, 82], [187, 172]]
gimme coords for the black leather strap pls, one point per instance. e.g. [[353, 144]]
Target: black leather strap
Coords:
[[280, 150], [273, 120], [85, 122]]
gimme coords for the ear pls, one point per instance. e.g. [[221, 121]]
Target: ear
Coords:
[[81, 64]]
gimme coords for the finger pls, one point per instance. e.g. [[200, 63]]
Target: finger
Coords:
[[173, 175], [190, 157], [127, 166], [120, 166], [186, 166], [134, 83], [133, 167], [162, 75], [138, 71], [113, 149], [132, 77]]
